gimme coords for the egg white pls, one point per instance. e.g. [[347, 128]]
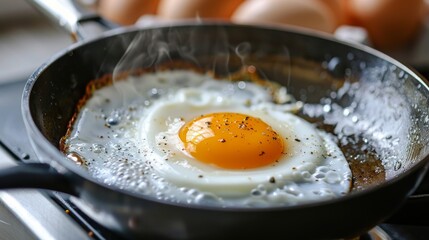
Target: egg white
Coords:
[[127, 134], [161, 127]]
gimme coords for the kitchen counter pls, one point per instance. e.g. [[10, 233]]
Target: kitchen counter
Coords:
[[27, 39]]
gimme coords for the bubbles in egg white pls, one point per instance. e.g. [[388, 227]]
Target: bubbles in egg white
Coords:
[[127, 134]]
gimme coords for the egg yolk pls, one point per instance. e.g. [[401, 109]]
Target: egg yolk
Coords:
[[232, 141]]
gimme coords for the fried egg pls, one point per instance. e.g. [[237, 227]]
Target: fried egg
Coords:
[[186, 137]]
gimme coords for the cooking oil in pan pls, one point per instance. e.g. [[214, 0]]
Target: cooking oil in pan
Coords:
[[375, 124], [368, 120]]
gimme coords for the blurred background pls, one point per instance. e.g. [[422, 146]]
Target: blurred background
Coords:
[[27, 39], [397, 27]]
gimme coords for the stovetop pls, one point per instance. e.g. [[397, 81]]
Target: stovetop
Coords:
[[40, 214]]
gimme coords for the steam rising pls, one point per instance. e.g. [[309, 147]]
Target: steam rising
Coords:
[[152, 48], [210, 51]]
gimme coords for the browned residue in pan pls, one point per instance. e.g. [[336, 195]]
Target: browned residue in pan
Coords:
[[367, 169], [367, 173]]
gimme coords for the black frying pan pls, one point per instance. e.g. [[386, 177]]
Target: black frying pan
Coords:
[[389, 99]]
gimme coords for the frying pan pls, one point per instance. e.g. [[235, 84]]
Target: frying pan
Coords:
[[372, 94]]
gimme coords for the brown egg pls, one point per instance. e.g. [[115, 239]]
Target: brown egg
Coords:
[[425, 10], [311, 14], [336, 8], [391, 24], [175, 9], [126, 12]]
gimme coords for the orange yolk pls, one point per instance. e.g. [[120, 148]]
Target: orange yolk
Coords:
[[232, 141]]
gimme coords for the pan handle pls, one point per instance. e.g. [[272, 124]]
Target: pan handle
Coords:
[[36, 175], [80, 22]]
